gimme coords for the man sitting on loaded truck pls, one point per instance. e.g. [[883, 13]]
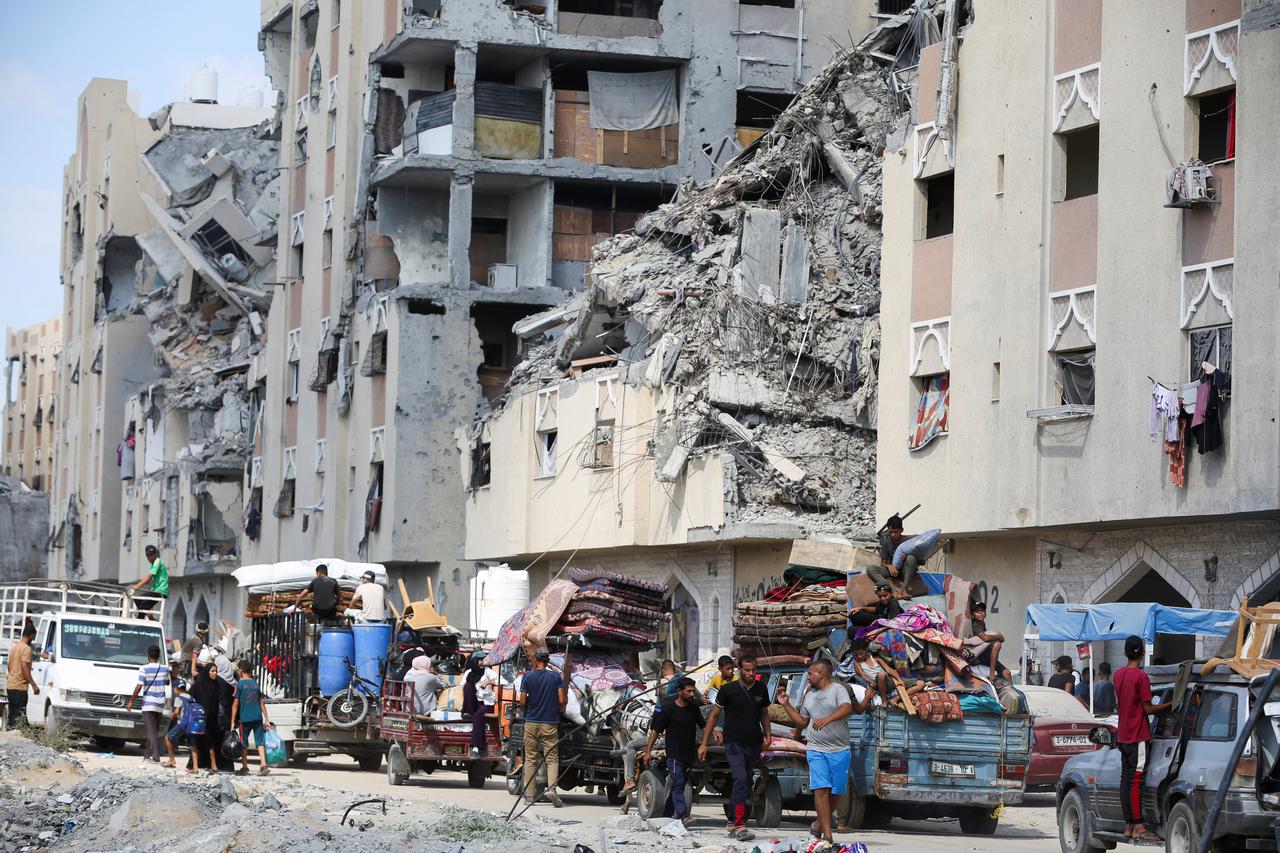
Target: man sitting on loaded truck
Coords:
[[324, 595]]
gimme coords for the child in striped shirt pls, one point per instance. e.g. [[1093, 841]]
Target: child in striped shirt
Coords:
[[153, 678]]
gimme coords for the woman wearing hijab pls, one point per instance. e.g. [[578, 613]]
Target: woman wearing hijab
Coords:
[[477, 701], [209, 692], [424, 684]]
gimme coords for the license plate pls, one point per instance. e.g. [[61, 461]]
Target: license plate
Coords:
[[946, 768], [1070, 740], [453, 749], [115, 724]]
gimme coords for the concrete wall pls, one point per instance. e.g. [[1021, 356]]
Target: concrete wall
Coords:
[[24, 531], [26, 450]]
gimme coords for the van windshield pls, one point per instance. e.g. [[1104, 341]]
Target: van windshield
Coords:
[[109, 642]]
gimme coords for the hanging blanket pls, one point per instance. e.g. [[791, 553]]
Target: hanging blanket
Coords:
[[635, 101], [958, 593], [532, 622], [937, 706], [583, 576], [599, 672]]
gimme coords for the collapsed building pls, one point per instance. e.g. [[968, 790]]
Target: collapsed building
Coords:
[[168, 270], [712, 395]]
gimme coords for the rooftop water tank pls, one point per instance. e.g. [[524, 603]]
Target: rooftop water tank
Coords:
[[496, 594], [204, 85], [249, 96]]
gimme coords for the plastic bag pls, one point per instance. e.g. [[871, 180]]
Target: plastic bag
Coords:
[[231, 745], [276, 756]]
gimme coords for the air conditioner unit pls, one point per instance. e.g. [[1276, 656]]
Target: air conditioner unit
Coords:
[[1188, 185], [502, 277]]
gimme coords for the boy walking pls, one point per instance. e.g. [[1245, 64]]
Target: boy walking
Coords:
[[248, 711], [153, 678], [177, 731]]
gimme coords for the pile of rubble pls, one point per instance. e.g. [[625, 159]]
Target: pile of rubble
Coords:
[[753, 301]]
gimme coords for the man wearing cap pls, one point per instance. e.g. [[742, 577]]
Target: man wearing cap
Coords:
[[542, 695], [371, 599], [1133, 704]]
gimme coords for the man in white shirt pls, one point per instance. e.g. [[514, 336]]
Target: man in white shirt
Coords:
[[371, 599]]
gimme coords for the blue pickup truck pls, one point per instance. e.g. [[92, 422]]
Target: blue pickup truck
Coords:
[[967, 769]]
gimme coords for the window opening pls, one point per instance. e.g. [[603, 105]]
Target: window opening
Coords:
[[1075, 379], [1081, 157], [547, 441], [481, 464], [940, 200], [1217, 126]]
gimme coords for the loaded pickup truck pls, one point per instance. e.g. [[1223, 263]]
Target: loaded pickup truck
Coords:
[[967, 769]]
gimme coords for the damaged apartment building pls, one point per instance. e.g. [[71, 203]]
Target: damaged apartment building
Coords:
[[448, 166], [185, 263], [711, 396], [1089, 403]]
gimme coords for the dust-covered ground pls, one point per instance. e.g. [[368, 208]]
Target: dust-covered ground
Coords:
[[85, 801]]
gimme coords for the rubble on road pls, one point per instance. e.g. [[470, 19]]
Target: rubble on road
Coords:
[[752, 303]]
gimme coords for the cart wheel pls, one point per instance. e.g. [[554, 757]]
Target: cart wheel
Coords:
[[770, 811], [393, 777], [651, 794], [856, 816], [514, 781], [613, 793], [478, 773], [369, 761], [978, 820]]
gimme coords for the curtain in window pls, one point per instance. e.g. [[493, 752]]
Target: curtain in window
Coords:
[[1213, 346], [931, 416], [1076, 379]]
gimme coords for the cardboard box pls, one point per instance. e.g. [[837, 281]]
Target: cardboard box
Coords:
[[841, 557]]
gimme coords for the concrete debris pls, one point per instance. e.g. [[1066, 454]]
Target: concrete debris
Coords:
[[24, 530], [755, 300]]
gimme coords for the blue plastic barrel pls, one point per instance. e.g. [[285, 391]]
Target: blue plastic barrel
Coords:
[[337, 650], [372, 640]]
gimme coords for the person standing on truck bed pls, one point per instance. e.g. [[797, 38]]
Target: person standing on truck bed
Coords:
[[745, 704], [19, 677], [324, 595], [886, 571], [542, 695], [824, 706], [679, 719], [1133, 700], [157, 576], [370, 599]]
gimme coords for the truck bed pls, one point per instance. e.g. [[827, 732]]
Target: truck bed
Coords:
[[980, 760]]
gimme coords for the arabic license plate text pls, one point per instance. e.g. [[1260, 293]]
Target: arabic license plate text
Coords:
[[947, 768], [1070, 740], [116, 724]]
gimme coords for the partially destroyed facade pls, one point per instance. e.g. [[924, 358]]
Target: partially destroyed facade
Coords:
[[168, 280], [1065, 250], [31, 359], [447, 167], [711, 396]]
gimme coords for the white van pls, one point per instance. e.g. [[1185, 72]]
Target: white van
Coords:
[[89, 645]]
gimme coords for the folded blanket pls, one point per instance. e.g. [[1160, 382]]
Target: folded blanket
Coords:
[[823, 619], [792, 630], [789, 608], [595, 628], [584, 575], [937, 706], [581, 604]]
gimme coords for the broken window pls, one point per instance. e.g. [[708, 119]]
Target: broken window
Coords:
[[758, 111], [481, 464], [310, 20], [300, 147], [424, 307], [388, 127], [294, 353], [375, 359], [893, 7], [488, 246], [284, 503], [1075, 378], [785, 4], [616, 8], [315, 85], [500, 349], [1217, 126], [326, 249], [547, 440], [940, 201], [1080, 160], [253, 515], [326, 369], [602, 444]]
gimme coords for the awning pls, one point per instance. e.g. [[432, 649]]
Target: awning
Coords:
[[1090, 622]]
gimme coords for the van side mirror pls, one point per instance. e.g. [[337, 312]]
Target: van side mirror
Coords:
[[1102, 736]]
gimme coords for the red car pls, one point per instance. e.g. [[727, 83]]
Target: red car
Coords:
[[1060, 730]]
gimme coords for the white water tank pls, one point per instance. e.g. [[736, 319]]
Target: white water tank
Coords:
[[496, 594], [204, 85], [249, 96]]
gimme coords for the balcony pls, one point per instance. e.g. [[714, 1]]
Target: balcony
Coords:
[[508, 122]]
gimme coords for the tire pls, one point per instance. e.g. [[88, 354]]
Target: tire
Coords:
[[613, 793], [1075, 826], [1182, 830], [478, 773], [112, 744], [346, 709], [770, 805], [370, 762], [514, 781], [52, 725], [395, 758], [651, 794], [978, 820], [856, 817]]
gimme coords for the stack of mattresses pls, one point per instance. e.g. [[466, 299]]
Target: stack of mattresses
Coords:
[[613, 608], [791, 627], [268, 603]]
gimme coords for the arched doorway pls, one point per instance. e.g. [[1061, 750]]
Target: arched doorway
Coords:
[[201, 613], [178, 626], [1149, 586], [678, 639]]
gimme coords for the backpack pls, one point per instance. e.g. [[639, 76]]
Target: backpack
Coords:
[[193, 718]]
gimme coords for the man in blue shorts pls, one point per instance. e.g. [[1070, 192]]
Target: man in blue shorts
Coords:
[[822, 712]]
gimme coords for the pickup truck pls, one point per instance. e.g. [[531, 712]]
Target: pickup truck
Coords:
[[89, 646], [966, 769]]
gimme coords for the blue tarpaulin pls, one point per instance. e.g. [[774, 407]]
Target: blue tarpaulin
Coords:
[[1090, 622]]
